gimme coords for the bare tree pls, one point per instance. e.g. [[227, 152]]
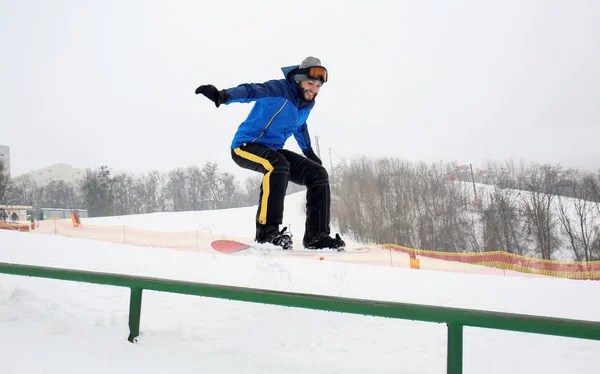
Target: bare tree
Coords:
[[4, 183], [195, 188], [124, 197], [95, 193], [176, 190], [392, 201], [501, 223], [57, 194], [24, 191], [539, 184], [249, 191], [579, 216], [229, 192], [221, 187], [154, 192]]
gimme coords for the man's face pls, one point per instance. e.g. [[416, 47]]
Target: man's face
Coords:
[[310, 89]]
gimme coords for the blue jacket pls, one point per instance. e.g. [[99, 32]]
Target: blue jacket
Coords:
[[278, 112]]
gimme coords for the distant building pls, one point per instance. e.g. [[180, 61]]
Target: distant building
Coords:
[[49, 213], [57, 172], [20, 212], [5, 157]]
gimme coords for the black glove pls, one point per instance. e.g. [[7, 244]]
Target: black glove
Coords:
[[210, 91], [313, 157]]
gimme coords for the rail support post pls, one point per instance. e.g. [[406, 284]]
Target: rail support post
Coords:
[[455, 348], [135, 310]]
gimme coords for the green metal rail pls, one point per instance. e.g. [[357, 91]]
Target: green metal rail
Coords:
[[455, 318]]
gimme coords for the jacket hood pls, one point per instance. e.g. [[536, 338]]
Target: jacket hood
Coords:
[[288, 71]]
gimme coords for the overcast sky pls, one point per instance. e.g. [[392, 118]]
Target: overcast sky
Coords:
[[92, 83]]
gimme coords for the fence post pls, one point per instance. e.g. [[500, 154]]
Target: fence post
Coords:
[[455, 348], [135, 310]]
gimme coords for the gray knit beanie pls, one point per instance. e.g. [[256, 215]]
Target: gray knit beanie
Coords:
[[308, 62]]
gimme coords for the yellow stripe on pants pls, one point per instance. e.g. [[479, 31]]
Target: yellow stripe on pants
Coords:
[[262, 216]]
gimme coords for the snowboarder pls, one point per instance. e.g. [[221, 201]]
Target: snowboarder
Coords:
[[281, 109]]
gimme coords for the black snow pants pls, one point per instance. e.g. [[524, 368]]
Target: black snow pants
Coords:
[[278, 168]]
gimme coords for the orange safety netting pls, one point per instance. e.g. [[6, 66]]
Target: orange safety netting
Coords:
[[189, 240], [14, 226], [494, 263], [513, 262]]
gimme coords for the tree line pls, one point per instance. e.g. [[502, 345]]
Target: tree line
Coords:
[[528, 209], [104, 192]]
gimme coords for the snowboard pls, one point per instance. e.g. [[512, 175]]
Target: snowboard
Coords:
[[236, 247]]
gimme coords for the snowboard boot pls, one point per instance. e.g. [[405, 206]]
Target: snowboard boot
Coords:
[[271, 234], [323, 240]]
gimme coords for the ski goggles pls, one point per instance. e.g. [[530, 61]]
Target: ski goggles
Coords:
[[315, 72]]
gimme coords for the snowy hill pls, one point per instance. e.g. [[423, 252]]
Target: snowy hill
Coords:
[[235, 222]]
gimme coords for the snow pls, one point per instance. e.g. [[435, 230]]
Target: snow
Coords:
[[54, 326]]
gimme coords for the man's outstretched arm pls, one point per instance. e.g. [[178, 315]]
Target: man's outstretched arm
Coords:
[[244, 93]]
